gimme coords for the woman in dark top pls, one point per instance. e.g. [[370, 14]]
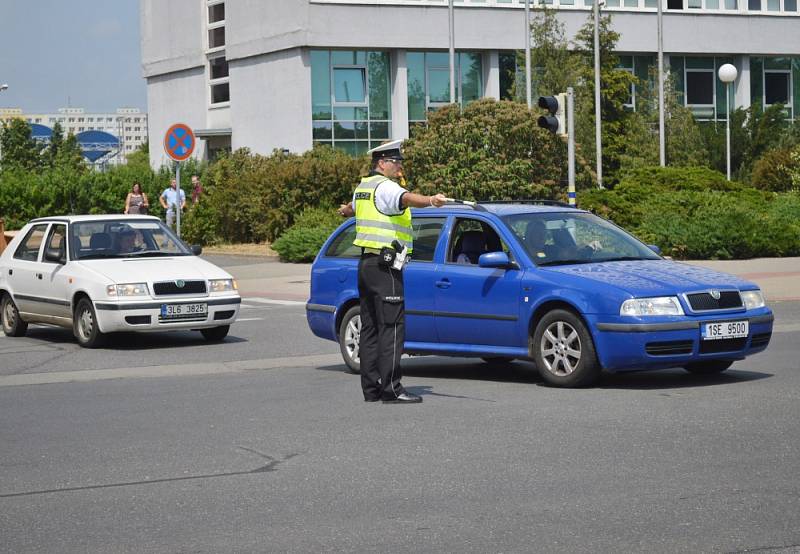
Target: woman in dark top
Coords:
[[136, 202]]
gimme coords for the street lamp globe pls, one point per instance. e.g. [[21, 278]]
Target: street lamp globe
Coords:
[[4, 86], [727, 73]]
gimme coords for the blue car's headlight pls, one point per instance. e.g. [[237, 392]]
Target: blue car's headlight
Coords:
[[661, 305], [753, 299]]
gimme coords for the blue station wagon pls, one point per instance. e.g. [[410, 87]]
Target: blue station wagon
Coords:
[[546, 282]]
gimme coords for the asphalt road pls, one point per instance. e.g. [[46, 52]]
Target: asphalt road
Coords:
[[163, 443]]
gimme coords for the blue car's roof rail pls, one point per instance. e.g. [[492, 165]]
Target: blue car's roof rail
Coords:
[[528, 201]]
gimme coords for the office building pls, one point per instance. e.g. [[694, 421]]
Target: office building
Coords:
[[270, 74]]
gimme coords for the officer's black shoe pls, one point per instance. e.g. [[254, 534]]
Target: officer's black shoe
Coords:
[[402, 398]]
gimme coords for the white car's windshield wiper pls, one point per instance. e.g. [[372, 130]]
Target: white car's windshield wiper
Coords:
[[151, 254], [97, 256]]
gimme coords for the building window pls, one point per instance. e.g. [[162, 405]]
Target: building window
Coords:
[[777, 87], [216, 13], [350, 97], [216, 37], [218, 71], [698, 87], [429, 81]]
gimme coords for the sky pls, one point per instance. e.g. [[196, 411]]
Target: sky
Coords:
[[78, 53]]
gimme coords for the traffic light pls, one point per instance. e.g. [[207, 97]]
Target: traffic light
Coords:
[[555, 122]]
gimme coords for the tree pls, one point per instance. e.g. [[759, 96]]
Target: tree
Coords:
[[56, 142], [69, 155], [615, 85], [18, 148], [553, 65], [490, 150]]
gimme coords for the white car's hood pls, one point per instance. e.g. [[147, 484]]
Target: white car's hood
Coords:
[[145, 270]]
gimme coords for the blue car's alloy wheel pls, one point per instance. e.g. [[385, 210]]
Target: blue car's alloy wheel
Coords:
[[563, 350], [349, 337]]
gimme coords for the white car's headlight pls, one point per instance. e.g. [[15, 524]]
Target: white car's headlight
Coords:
[[128, 289], [662, 305], [753, 299], [222, 285]]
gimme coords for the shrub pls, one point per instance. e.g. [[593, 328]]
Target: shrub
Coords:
[[201, 225], [258, 197], [301, 244], [773, 171], [694, 214]]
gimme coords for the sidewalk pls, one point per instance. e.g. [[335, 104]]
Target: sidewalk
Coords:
[[779, 278]]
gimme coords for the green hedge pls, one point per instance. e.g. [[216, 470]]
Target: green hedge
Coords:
[[695, 213], [304, 239]]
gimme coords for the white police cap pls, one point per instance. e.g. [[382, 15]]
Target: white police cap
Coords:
[[389, 149]]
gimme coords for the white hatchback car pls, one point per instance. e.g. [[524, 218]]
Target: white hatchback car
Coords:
[[98, 274]]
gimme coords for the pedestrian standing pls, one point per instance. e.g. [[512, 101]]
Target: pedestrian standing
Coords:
[[169, 201], [136, 202], [383, 230], [197, 190]]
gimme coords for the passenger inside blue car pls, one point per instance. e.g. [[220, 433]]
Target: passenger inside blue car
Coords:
[[472, 245], [535, 238]]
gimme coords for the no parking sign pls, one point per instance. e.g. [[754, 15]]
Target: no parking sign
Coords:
[[179, 144]]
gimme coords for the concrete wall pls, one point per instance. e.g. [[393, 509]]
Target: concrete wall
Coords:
[[271, 101], [175, 98], [172, 36]]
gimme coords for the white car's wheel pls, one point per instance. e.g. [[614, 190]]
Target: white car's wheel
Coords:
[[216, 334], [84, 325], [350, 337], [13, 326]]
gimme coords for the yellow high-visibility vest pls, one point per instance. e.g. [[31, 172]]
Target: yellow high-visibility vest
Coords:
[[373, 228]]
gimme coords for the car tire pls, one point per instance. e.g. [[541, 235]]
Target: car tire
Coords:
[[349, 337], [708, 367], [84, 325], [13, 326], [215, 334], [563, 350]]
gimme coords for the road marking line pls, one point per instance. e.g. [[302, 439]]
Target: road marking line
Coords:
[[260, 300], [175, 370], [249, 319], [786, 328]]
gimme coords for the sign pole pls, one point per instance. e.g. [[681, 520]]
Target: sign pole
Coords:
[[571, 144], [178, 191]]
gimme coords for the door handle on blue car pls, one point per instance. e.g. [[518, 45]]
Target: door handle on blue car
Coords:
[[443, 284]]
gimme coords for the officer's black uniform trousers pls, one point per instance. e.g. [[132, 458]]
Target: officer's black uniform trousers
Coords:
[[382, 327]]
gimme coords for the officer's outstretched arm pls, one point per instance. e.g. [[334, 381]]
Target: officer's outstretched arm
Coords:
[[347, 210], [414, 200]]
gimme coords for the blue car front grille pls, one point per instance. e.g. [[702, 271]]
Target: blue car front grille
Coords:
[[725, 345], [705, 302]]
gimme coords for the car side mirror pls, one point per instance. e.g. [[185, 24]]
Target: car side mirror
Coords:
[[654, 248], [196, 249], [495, 259], [55, 255]]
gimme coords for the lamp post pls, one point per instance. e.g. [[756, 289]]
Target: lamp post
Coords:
[[597, 133], [727, 74], [528, 52], [451, 25]]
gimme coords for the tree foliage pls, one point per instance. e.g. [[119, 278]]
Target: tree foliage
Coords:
[[490, 150]]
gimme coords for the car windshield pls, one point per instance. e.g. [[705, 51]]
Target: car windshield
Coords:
[[575, 238], [124, 238]]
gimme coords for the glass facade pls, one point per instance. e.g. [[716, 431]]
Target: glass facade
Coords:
[[429, 81], [350, 96], [698, 86], [774, 80]]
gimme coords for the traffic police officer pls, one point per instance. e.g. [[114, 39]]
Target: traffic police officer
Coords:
[[383, 225]]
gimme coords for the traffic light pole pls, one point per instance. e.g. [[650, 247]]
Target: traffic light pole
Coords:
[[571, 145]]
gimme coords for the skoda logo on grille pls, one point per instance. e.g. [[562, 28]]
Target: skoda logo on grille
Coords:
[[180, 283], [714, 294]]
